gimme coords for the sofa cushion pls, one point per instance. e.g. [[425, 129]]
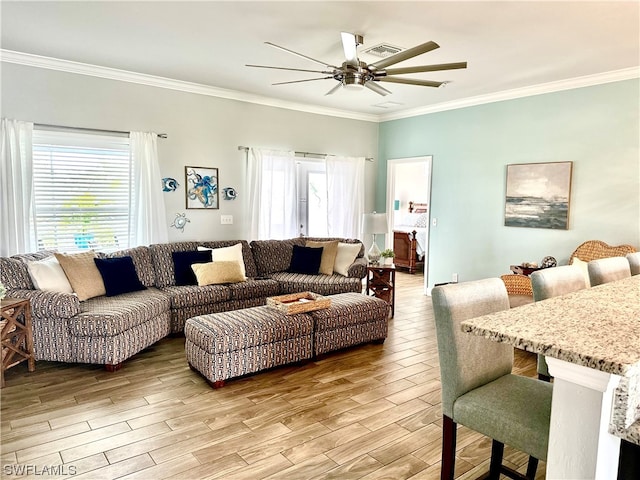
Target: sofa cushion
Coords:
[[14, 274], [119, 275], [109, 316], [306, 260], [330, 249], [182, 262], [187, 296], [83, 275], [48, 275], [273, 255], [320, 284], [254, 288], [218, 272], [142, 260]]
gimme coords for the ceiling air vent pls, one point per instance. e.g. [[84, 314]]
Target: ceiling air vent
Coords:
[[382, 50]]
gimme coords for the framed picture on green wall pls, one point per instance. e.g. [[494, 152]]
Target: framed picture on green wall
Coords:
[[538, 195]]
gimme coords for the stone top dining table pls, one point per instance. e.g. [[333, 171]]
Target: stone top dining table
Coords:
[[591, 340]]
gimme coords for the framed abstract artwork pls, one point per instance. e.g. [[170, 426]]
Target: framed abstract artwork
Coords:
[[201, 187], [538, 195]]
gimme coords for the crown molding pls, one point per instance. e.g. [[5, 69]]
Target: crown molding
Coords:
[[550, 87], [68, 66]]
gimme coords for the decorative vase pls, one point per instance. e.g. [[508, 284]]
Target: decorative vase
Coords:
[[388, 261]]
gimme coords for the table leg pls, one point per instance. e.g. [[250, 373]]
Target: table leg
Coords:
[[580, 445]]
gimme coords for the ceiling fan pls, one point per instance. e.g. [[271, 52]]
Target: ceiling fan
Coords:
[[355, 72]]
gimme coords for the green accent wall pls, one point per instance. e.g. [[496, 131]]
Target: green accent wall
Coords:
[[597, 128]]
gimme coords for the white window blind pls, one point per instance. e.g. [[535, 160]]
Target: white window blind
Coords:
[[83, 187]]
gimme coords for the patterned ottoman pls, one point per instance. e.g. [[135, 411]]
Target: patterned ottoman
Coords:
[[351, 319], [230, 344]]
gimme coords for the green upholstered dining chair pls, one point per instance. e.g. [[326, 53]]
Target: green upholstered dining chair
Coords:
[[551, 282], [634, 262], [478, 389], [606, 270]]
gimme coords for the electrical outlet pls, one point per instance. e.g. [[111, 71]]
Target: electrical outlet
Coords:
[[226, 219], [455, 278]]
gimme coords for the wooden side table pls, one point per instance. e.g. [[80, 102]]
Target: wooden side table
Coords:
[[17, 334], [381, 283]]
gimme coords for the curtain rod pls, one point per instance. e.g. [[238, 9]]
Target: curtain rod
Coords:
[[85, 129], [304, 154]]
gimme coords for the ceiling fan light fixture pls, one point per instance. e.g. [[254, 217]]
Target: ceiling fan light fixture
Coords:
[[353, 81]]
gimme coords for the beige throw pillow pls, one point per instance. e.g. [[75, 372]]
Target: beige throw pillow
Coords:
[[347, 254], [329, 252], [83, 275], [228, 254], [48, 275], [215, 273]]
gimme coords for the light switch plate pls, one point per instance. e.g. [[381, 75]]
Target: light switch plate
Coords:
[[226, 219]]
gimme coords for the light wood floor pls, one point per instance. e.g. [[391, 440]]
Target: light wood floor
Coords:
[[368, 412]]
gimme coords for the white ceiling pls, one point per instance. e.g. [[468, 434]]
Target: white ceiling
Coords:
[[508, 45]]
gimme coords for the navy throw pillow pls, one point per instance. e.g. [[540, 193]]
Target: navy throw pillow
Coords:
[[119, 275], [306, 260], [182, 262]]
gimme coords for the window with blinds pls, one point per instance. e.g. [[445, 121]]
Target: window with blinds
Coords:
[[83, 189]]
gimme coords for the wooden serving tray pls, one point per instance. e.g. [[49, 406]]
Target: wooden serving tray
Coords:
[[299, 302]]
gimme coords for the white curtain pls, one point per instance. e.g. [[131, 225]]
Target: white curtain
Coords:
[[149, 215], [17, 187], [271, 187], [345, 195]]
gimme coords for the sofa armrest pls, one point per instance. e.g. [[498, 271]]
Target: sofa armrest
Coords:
[[49, 304], [358, 268]]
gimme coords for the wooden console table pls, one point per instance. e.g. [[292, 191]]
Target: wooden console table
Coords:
[[381, 283], [17, 334]]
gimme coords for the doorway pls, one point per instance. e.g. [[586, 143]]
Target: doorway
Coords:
[[408, 184]]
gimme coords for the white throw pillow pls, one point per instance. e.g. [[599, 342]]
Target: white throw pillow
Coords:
[[228, 254], [347, 253], [48, 275]]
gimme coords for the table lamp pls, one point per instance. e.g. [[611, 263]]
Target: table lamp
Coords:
[[374, 224]]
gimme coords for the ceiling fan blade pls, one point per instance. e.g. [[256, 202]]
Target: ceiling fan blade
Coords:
[[426, 68], [410, 81], [326, 72], [334, 89], [404, 55], [305, 80], [380, 90], [350, 46], [301, 55]]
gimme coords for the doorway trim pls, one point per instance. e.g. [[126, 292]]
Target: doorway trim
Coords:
[[392, 164]]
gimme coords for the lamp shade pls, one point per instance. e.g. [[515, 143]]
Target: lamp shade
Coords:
[[375, 223]]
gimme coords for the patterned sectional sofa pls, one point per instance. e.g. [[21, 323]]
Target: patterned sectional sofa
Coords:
[[108, 330]]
